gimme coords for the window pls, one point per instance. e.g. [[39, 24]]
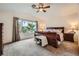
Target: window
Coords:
[[27, 26]]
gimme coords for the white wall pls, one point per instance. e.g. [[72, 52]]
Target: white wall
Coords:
[[7, 19], [60, 15]]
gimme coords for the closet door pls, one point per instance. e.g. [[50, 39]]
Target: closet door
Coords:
[[1, 39]]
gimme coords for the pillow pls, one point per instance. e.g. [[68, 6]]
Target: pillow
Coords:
[[54, 30], [57, 30], [49, 30]]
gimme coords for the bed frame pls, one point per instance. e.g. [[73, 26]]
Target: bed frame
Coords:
[[51, 36], [56, 28]]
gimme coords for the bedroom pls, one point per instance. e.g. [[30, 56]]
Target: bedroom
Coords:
[[58, 15]]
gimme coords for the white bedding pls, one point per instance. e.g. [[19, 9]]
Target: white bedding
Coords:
[[59, 32], [76, 37], [61, 38]]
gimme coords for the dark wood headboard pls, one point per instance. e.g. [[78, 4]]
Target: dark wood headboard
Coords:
[[56, 28]]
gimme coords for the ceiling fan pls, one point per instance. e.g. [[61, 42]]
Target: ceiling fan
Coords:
[[41, 7]]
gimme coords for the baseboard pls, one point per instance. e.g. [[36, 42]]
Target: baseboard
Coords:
[[15, 41], [8, 43]]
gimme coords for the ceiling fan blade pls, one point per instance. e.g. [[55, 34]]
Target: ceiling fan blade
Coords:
[[44, 10], [37, 11], [41, 4], [33, 6], [46, 7]]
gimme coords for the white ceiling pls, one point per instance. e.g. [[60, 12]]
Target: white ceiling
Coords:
[[54, 10]]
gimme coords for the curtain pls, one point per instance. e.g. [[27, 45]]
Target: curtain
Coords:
[[16, 35]]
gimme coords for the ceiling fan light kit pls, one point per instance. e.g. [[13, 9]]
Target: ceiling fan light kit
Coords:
[[41, 7]]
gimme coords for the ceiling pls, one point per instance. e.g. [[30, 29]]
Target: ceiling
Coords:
[[54, 10]]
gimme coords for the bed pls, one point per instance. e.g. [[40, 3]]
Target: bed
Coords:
[[54, 38]]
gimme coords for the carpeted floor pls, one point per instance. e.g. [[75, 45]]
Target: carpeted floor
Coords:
[[30, 48]]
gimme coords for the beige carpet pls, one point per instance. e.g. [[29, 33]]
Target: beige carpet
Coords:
[[30, 48]]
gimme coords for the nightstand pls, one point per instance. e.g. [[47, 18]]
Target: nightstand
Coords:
[[69, 37]]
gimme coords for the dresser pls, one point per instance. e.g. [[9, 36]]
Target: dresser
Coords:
[[1, 39], [69, 37]]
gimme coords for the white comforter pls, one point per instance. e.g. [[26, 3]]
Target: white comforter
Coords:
[[61, 38], [76, 37]]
